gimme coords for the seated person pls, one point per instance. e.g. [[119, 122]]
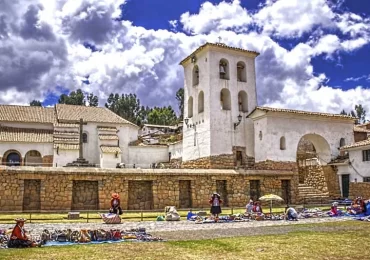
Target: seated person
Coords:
[[257, 207], [334, 210], [18, 238], [249, 207], [291, 213], [115, 203]]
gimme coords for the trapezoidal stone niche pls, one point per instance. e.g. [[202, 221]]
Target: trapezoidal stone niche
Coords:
[[85, 195], [31, 195], [185, 194], [140, 195], [221, 188]]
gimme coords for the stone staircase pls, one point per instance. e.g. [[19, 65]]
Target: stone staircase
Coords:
[[310, 195]]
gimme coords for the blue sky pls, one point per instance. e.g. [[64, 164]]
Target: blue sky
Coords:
[[315, 54]]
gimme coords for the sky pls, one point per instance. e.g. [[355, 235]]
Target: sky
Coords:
[[315, 55]]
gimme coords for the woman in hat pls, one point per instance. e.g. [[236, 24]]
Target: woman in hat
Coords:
[[19, 239], [115, 204], [215, 202]]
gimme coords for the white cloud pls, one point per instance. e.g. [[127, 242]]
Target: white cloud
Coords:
[[137, 60]]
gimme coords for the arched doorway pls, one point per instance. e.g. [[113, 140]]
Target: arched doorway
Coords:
[[33, 158], [313, 152], [12, 158]]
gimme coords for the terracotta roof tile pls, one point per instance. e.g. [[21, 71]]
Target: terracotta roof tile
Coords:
[[357, 144], [66, 125], [66, 140], [108, 137], [28, 114], [72, 114], [25, 135], [360, 129], [110, 149], [283, 110], [107, 128], [220, 45], [66, 146]]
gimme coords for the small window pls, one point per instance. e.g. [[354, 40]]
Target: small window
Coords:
[[241, 72], [224, 69], [84, 138], [243, 101], [190, 107], [282, 143], [366, 155], [195, 75], [260, 135], [342, 142]]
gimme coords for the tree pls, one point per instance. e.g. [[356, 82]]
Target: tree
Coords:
[[78, 98], [180, 100], [343, 112], [128, 107], [360, 113], [35, 103], [162, 116]]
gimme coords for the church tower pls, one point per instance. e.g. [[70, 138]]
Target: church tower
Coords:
[[219, 92]]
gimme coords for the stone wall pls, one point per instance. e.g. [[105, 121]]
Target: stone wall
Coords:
[[31, 195], [140, 195], [47, 161], [276, 165], [85, 195], [332, 181], [223, 161], [315, 178], [58, 185], [359, 189]]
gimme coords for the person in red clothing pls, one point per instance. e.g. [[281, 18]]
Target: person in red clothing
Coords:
[[18, 238], [215, 202], [115, 204]]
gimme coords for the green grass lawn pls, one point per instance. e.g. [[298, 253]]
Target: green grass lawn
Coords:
[[94, 217], [294, 245]]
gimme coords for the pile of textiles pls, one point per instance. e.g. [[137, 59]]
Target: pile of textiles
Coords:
[[68, 237], [363, 218], [269, 216], [312, 213], [221, 219], [111, 218], [4, 236]]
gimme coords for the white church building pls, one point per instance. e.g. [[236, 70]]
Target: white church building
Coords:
[[223, 126]]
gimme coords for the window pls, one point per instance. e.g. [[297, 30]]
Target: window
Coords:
[[243, 101], [366, 179], [190, 107], [282, 143], [224, 69], [225, 99], [241, 72], [201, 102], [84, 138], [260, 135], [366, 155], [342, 142], [195, 75]]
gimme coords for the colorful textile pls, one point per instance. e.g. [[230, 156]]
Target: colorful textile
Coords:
[[110, 218]]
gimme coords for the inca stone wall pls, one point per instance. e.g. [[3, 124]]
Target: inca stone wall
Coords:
[[315, 178], [221, 188], [58, 185], [223, 161], [31, 195], [359, 189], [85, 195], [276, 165], [140, 195], [185, 194], [332, 181]]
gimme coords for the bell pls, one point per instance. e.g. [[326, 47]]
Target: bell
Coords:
[[222, 69]]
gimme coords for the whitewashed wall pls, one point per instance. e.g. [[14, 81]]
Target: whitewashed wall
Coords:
[[176, 150], [324, 133], [64, 156], [144, 156], [359, 168], [109, 160], [127, 133], [23, 148]]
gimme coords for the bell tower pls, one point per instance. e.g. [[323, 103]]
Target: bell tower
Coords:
[[219, 92]]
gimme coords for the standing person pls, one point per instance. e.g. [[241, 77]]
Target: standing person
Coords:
[[115, 204], [257, 207], [249, 207], [18, 238], [215, 202]]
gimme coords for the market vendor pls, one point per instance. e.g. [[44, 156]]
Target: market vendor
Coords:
[[291, 213], [257, 207], [215, 202], [334, 210], [115, 203], [18, 238], [249, 207]]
